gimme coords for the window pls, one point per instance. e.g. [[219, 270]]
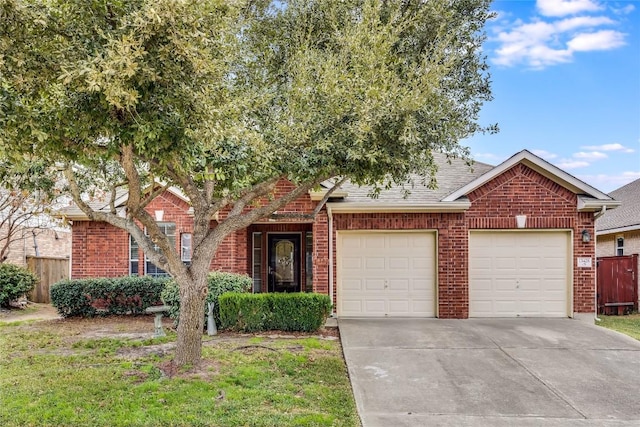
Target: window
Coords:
[[309, 261], [185, 248], [620, 246], [133, 256], [256, 265], [169, 229]]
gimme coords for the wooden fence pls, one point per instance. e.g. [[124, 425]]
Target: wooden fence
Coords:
[[50, 271], [618, 284]]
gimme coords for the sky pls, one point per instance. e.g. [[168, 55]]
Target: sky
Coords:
[[566, 84]]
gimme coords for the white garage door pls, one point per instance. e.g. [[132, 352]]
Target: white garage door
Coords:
[[519, 273], [386, 274]]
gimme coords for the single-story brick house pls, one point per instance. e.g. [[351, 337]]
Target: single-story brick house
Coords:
[[504, 241]]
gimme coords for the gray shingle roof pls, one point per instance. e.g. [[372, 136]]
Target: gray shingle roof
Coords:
[[102, 204], [449, 177], [627, 214]]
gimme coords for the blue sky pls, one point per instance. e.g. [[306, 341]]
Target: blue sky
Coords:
[[566, 86]]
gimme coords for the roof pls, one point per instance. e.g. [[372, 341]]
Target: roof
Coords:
[[455, 178], [451, 175], [627, 216]]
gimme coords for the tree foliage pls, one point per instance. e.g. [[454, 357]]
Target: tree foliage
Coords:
[[224, 98], [27, 189]]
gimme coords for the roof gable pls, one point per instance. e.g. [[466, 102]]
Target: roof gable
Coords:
[[597, 198]]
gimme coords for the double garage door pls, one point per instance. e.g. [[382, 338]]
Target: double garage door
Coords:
[[511, 274]]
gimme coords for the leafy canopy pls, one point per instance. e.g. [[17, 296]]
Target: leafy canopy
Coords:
[[239, 92]]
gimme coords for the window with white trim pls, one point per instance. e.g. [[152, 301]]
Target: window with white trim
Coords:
[[150, 269], [134, 252], [186, 248], [620, 246]]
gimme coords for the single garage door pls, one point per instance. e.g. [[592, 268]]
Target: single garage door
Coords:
[[386, 274], [519, 273]]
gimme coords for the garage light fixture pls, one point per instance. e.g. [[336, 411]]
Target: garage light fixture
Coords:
[[586, 236]]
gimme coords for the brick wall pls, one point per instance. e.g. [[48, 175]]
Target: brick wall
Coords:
[[547, 205], [518, 191], [100, 249], [51, 243]]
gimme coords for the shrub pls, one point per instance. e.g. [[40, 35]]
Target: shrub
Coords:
[[304, 312], [15, 281], [218, 283], [120, 295]]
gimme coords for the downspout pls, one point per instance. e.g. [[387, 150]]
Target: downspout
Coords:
[[330, 215], [35, 243], [595, 247]]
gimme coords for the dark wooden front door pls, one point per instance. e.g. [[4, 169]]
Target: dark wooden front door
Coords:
[[284, 262]]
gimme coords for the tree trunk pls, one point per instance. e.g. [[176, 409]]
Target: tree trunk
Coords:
[[191, 323]]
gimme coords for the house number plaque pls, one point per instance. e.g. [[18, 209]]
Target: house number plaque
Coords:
[[584, 262]]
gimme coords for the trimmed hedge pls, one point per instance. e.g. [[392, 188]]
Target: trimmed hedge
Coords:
[[15, 281], [106, 296], [219, 282], [303, 312]]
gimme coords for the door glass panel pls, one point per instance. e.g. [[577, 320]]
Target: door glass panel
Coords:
[[284, 261]]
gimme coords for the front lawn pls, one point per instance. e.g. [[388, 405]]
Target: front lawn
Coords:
[[109, 372], [629, 325]]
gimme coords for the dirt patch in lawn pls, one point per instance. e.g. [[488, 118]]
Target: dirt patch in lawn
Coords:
[[43, 318]]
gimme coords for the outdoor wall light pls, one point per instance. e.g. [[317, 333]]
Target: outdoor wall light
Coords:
[[586, 236]]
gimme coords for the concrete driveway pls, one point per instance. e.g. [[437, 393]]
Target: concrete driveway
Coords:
[[493, 372]]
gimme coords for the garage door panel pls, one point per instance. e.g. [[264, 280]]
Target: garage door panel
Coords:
[[375, 307], [372, 241], [421, 286], [519, 273], [401, 285], [397, 272], [375, 285], [352, 263], [399, 264], [353, 284], [377, 263]]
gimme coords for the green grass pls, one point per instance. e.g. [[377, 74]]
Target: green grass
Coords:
[[57, 376], [629, 325]]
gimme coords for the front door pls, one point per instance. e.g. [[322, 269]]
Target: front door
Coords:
[[284, 262]]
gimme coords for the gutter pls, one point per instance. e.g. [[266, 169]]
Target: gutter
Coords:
[[595, 249], [330, 215], [368, 207]]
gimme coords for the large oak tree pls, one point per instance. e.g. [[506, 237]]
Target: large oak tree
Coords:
[[223, 99]]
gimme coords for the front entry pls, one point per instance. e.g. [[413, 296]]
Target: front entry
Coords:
[[284, 262]]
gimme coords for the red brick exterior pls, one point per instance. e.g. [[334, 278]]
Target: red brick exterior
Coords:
[[102, 250]]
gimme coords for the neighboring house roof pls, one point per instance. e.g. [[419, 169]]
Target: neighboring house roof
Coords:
[[627, 216]]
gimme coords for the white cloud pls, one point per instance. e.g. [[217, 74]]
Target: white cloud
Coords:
[[624, 10], [600, 40], [590, 155], [544, 154], [608, 183], [608, 147], [489, 158], [566, 7], [544, 42], [572, 164]]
